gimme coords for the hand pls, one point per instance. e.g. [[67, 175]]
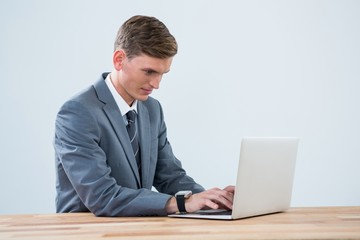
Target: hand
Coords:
[[214, 198]]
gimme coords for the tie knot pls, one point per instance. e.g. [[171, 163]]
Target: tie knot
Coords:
[[131, 115]]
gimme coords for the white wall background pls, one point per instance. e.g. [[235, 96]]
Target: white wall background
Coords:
[[276, 68]]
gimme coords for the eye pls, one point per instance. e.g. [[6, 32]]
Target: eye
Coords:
[[149, 72]]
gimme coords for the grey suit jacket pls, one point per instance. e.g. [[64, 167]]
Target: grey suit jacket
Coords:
[[95, 165]]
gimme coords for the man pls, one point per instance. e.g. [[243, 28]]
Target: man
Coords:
[[107, 161]]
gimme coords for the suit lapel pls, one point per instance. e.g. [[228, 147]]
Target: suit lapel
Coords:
[[145, 144], [114, 115]]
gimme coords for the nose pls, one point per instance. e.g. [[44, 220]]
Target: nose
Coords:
[[155, 82]]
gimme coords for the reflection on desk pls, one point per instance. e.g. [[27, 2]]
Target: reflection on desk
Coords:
[[296, 223]]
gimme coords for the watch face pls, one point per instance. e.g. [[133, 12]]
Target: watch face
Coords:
[[186, 194]]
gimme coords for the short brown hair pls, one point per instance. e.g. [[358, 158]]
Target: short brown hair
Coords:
[[145, 35]]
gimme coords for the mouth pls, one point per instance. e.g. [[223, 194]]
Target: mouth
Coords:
[[147, 91]]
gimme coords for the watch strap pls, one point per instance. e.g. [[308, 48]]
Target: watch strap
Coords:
[[180, 200]]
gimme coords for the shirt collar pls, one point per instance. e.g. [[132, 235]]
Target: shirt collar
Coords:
[[120, 102]]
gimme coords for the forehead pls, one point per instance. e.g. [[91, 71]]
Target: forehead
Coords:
[[146, 62]]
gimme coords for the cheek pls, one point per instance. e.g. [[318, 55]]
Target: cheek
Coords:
[[135, 81], [134, 78]]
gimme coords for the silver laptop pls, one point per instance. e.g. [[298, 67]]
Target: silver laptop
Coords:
[[264, 179]]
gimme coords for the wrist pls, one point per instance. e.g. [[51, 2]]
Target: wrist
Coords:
[[181, 197], [171, 206]]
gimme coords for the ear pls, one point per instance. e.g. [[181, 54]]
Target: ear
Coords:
[[118, 58]]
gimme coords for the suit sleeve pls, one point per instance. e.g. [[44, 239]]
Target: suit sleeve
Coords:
[[84, 176]]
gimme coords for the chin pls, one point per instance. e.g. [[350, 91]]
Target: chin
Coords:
[[143, 98]]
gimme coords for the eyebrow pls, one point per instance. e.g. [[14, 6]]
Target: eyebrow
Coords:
[[153, 70]]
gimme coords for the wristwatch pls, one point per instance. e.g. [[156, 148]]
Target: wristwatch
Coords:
[[180, 200]]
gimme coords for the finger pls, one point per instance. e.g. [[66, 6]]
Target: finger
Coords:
[[230, 189], [222, 198], [227, 194], [225, 203], [211, 204]]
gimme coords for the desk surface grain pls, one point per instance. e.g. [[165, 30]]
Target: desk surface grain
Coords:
[[296, 223]]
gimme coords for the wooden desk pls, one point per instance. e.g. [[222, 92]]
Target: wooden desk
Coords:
[[297, 223]]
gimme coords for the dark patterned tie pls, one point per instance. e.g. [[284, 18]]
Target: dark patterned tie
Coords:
[[132, 131]]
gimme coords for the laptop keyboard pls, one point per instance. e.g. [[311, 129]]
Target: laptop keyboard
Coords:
[[209, 212]]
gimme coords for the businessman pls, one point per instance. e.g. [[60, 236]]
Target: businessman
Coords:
[[111, 143]]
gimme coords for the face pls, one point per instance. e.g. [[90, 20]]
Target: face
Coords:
[[137, 77]]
